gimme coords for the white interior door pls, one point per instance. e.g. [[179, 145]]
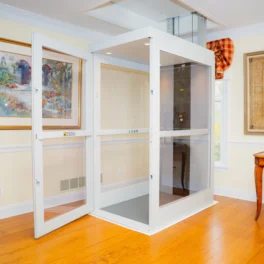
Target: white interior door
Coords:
[[61, 195]]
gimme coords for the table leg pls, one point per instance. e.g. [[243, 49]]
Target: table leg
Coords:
[[258, 182]]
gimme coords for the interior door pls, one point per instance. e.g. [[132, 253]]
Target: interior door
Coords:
[[63, 155]]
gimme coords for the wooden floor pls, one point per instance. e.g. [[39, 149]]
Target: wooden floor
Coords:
[[224, 233]]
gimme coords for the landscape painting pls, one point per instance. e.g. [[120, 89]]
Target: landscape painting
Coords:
[[15, 90], [57, 89], [15, 87], [61, 82]]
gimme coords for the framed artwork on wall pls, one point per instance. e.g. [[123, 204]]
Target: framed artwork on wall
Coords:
[[61, 85], [254, 93]]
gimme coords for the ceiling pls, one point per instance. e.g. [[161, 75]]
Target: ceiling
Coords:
[[229, 13], [138, 52], [121, 16], [68, 11]]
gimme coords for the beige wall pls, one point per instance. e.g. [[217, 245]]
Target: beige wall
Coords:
[[124, 105], [238, 179], [15, 159]]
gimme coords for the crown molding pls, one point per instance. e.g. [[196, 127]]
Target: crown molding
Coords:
[[36, 20]]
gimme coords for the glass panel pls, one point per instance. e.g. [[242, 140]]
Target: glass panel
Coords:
[[61, 89], [124, 176], [64, 175], [217, 151], [218, 89], [124, 98], [184, 93], [183, 167], [218, 117]]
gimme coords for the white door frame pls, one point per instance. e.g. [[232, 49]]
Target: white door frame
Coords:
[[38, 42]]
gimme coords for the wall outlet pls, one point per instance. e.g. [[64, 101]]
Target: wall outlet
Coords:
[[1, 192]]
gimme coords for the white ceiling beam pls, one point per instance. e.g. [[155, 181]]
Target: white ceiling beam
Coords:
[[123, 17]]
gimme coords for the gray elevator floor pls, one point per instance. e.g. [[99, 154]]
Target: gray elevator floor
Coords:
[[135, 209]]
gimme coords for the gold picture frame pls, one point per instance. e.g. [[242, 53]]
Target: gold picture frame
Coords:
[[254, 93], [73, 120]]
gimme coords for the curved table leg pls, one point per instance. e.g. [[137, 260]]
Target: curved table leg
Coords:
[[258, 182]]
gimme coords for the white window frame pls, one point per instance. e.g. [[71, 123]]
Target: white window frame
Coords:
[[223, 162]]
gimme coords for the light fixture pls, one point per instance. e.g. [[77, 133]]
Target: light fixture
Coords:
[[108, 53], [146, 44]]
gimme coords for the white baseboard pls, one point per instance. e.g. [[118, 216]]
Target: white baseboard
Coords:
[[27, 207], [112, 193], [236, 193], [16, 209], [124, 191]]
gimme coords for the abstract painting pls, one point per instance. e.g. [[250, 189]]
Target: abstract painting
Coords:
[[60, 94]]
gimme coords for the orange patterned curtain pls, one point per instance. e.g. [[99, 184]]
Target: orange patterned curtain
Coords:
[[224, 51]]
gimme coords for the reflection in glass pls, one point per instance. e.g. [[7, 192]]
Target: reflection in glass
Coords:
[[63, 176], [124, 176], [183, 167], [218, 116], [184, 94]]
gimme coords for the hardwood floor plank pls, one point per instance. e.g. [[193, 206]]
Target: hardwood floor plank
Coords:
[[222, 234]]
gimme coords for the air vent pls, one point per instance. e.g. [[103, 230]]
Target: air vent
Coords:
[[64, 185], [82, 181], [74, 183]]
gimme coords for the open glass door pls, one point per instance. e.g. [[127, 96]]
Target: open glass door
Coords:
[[62, 157]]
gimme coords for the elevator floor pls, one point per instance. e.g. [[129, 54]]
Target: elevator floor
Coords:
[[135, 209]]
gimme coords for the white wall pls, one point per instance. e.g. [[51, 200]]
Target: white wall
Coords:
[[238, 179]]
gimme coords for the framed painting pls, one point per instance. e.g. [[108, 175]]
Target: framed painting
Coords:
[[61, 85], [254, 93]]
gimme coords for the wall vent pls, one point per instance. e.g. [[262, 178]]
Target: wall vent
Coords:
[[74, 183], [64, 185], [82, 182]]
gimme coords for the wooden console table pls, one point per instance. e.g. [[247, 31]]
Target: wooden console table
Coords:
[[259, 164]]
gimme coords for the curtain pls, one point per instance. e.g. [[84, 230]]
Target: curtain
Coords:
[[224, 51]]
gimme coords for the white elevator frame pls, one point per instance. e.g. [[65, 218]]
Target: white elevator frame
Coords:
[[159, 217]]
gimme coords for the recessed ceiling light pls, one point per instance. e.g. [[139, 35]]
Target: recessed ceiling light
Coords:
[[146, 44], [108, 53]]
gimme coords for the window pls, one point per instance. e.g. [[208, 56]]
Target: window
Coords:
[[220, 151]]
